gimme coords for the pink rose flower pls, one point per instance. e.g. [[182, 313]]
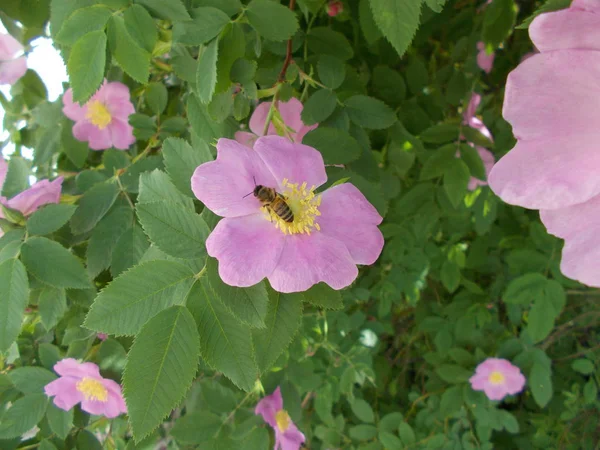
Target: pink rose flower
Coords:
[[82, 383], [290, 112], [12, 64], [329, 234], [553, 105], [497, 378], [485, 61], [487, 157], [103, 120], [287, 435], [335, 8]]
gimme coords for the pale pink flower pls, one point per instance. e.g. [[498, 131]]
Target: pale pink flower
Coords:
[[485, 60], [330, 234], [13, 64], [497, 378], [102, 336], [335, 8], [552, 102], [82, 383], [103, 120], [487, 157], [290, 112], [287, 435]]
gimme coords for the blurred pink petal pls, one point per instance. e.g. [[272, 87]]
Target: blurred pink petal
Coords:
[[488, 160], [334, 8], [41, 193], [3, 170], [497, 378], [287, 435], [12, 65], [567, 29], [485, 61]]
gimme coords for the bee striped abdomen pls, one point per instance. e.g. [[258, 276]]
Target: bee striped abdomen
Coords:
[[276, 202], [281, 208]]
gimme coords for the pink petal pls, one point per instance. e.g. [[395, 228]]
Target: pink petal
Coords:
[[73, 368], [586, 5], [566, 29], [121, 134], [41, 193], [247, 248], [223, 185], [347, 216], [12, 70], [495, 391], [65, 393], [484, 61], [515, 382], [97, 139], [269, 405], [9, 47], [488, 160], [291, 439], [580, 256], [547, 173], [566, 222], [71, 109], [308, 260], [245, 138], [291, 113], [114, 92], [3, 170], [479, 381], [258, 118], [471, 109], [297, 162]]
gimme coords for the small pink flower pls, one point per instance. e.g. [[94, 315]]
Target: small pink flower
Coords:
[[290, 112], [335, 8], [103, 120], [12, 64], [102, 336], [470, 119], [497, 378], [82, 383], [30, 200], [330, 233], [485, 61], [287, 435]]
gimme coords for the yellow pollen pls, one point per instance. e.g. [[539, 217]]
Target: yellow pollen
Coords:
[[98, 114], [304, 203], [92, 389], [283, 420], [496, 377]]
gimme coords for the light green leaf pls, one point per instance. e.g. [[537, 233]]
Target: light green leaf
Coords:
[[390, 441], [173, 10], [49, 218], [336, 145], [452, 373], [230, 7], [86, 65], [52, 306], [540, 383], [225, 343], [583, 366], [202, 124], [47, 145], [14, 296], [94, 204], [362, 432], [398, 20], [53, 264], [17, 176], [369, 112], [60, 421], [137, 295], [363, 410], [83, 21], [46, 445], [181, 160], [284, 318], [23, 415], [157, 97], [160, 368], [141, 27], [406, 433], [132, 58], [157, 186], [272, 20], [323, 296], [206, 24], [206, 75], [31, 380], [128, 250], [196, 428]]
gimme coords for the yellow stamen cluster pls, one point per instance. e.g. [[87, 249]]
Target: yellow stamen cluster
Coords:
[[304, 204], [282, 418], [496, 377], [92, 389], [98, 114]]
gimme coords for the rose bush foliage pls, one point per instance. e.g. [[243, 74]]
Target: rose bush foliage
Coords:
[[148, 301]]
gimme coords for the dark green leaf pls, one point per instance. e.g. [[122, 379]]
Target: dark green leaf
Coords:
[[86, 65], [336, 146], [207, 23], [398, 20], [272, 20], [206, 75], [369, 112], [94, 204]]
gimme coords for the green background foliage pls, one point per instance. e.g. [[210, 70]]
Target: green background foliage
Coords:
[[381, 365]]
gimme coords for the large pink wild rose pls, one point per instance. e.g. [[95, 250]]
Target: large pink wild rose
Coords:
[[553, 103], [487, 157], [13, 64], [331, 232], [290, 112], [287, 435], [82, 383], [103, 120], [497, 378]]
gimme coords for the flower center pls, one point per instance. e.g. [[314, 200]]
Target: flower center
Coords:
[[496, 377], [283, 420], [92, 389], [98, 114], [304, 204]]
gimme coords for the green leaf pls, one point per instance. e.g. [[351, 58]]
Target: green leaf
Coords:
[[157, 97], [541, 320], [46, 445], [173, 10], [14, 296], [137, 295], [23, 415], [82, 21], [548, 6], [202, 124], [232, 46], [451, 373], [398, 20], [94, 204], [157, 186], [160, 368], [391, 421], [272, 20], [524, 289], [141, 27], [196, 428], [406, 433], [498, 22], [323, 296], [60, 421], [583, 366], [17, 177], [284, 318], [362, 432], [49, 218], [336, 146], [132, 58], [450, 276], [367, 23], [456, 181], [225, 343], [389, 85], [441, 133], [206, 75], [242, 71], [325, 41], [363, 410], [331, 70], [206, 24], [86, 65], [47, 145], [53, 264], [52, 306], [86, 439], [540, 383], [31, 380], [476, 137], [181, 160], [472, 159], [509, 422], [319, 106], [173, 229], [369, 112], [128, 250], [390, 441]]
